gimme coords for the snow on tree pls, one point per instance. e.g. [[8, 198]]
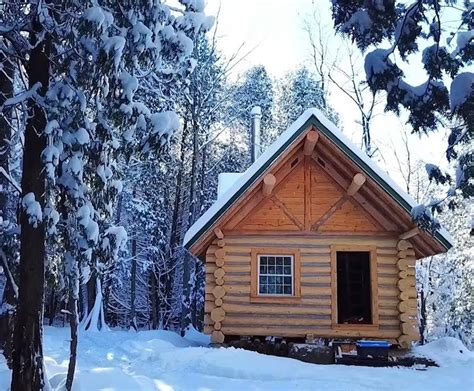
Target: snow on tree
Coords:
[[254, 88], [398, 29], [87, 110], [298, 91]]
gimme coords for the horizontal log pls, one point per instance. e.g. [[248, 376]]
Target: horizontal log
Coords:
[[409, 328], [409, 234], [318, 279], [411, 271], [218, 292], [406, 253], [406, 263], [387, 260], [209, 306], [219, 273], [315, 269], [406, 305], [406, 283], [389, 311], [220, 253], [221, 243], [387, 280], [388, 301], [322, 241], [218, 302], [217, 336], [405, 341], [407, 294], [304, 330], [217, 325], [218, 314], [276, 309], [305, 290], [407, 317], [275, 320], [208, 329], [304, 300], [220, 281], [404, 245]]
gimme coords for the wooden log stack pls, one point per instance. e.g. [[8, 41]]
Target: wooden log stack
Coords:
[[408, 303], [218, 313]]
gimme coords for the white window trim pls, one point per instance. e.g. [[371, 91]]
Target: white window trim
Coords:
[[277, 275]]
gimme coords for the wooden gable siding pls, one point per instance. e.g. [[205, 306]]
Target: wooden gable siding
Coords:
[[311, 313], [306, 199]]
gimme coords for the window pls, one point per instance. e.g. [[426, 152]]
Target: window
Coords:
[[275, 275], [354, 286]]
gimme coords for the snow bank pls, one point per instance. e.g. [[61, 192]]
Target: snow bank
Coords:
[[446, 351], [162, 360]]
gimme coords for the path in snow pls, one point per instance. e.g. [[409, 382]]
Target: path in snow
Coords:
[[162, 360]]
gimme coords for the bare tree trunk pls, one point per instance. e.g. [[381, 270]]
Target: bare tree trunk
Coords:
[[73, 322], [133, 284], [10, 295], [7, 321], [28, 366], [154, 304], [6, 91]]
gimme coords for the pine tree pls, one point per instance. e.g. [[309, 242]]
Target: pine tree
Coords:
[[86, 109], [298, 91]]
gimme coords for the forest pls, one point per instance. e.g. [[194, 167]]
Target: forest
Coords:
[[117, 118]]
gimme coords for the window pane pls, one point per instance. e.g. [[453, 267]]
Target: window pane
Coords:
[[275, 275]]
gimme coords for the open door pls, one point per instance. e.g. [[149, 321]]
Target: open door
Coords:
[[353, 287]]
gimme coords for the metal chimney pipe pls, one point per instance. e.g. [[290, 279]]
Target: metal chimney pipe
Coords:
[[256, 115]]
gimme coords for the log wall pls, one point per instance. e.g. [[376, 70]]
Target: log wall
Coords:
[[230, 310]]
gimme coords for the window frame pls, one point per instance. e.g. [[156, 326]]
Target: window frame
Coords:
[[255, 296], [372, 250]]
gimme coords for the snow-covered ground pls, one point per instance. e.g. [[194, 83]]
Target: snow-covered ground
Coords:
[[162, 360]]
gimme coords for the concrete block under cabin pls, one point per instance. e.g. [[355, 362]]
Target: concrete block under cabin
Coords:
[[312, 240]]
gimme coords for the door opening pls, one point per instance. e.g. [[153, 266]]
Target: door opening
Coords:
[[353, 287]]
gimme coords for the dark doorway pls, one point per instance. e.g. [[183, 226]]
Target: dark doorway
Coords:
[[353, 287]]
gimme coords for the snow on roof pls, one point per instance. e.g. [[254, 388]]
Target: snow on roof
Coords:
[[225, 181], [284, 142]]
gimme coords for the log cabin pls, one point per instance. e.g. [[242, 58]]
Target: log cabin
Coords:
[[312, 241]]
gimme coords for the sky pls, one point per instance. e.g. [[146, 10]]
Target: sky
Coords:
[[270, 33]]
